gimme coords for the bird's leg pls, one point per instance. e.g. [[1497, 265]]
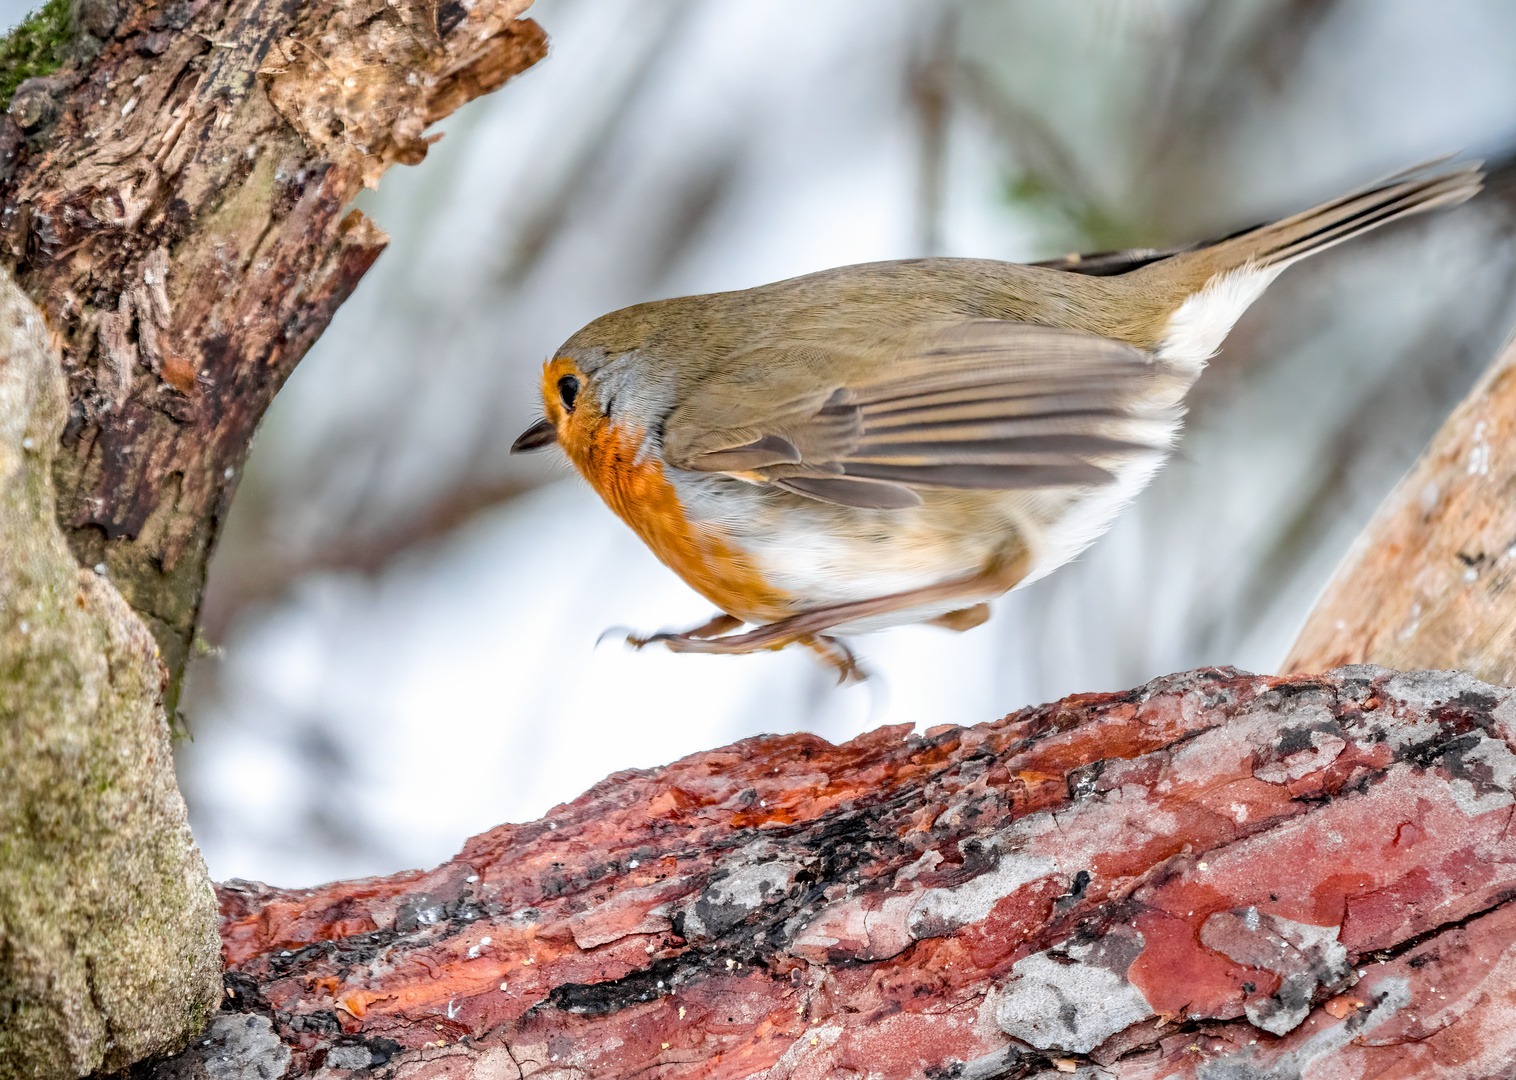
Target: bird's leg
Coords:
[[809, 627], [829, 650], [719, 623]]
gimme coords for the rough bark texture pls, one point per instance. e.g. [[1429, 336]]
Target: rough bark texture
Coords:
[[1439, 558], [108, 946], [177, 209], [174, 202], [1217, 875]]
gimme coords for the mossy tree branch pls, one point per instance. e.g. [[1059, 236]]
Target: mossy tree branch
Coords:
[[39, 46]]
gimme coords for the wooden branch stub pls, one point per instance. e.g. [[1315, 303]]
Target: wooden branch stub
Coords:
[[1428, 582], [179, 211], [1217, 874]]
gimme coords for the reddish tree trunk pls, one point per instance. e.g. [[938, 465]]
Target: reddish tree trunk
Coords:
[[1215, 875]]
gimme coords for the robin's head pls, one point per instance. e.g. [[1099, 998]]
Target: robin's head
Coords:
[[612, 371], [574, 414]]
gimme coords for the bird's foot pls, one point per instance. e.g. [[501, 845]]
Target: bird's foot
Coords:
[[711, 639], [833, 652]]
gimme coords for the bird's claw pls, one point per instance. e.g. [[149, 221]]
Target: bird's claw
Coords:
[[641, 641], [612, 631], [838, 656], [710, 639]]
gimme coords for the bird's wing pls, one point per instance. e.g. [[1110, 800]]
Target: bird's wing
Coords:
[[981, 403]]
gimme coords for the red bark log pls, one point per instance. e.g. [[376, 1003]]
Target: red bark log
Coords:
[[1217, 875]]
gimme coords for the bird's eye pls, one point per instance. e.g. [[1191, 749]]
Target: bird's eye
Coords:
[[568, 392]]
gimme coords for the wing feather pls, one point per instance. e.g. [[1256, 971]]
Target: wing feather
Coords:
[[983, 404], [997, 477]]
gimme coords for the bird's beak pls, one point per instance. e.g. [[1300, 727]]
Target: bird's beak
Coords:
[[542, 433]]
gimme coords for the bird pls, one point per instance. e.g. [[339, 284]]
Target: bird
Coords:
[[903, 442]]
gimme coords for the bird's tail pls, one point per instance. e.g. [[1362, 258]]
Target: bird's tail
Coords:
[[1432, 184]]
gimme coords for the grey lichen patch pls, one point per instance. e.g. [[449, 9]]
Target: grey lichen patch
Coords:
[[751, 880], [1424, 691], [1484, 774], [108, 944], [1075, 1000], [1309, 961], [361, 1057], [1391, 996], [941, 911], [237, 1046]]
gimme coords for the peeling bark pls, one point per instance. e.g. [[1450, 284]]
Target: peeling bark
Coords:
[[1439, 557], [177, 207], [1216, 875]]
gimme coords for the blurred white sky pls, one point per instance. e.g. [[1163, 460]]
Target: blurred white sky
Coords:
[[363, 723]]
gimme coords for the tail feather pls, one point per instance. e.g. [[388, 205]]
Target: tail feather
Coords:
[[1199, 294], [1414, 191]]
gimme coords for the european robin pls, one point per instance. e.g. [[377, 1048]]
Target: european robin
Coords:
[[901, 442]]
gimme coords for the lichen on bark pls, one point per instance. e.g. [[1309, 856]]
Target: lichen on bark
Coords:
[[108, 946]]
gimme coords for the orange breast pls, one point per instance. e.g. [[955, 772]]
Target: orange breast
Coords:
[[698, 552]]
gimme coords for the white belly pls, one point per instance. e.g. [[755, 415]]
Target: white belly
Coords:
[[824, 555]]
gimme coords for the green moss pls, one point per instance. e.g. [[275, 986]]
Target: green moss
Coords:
[[39, 46]]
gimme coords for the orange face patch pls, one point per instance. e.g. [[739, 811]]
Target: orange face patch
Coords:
[[605, 453], [552, 404]]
